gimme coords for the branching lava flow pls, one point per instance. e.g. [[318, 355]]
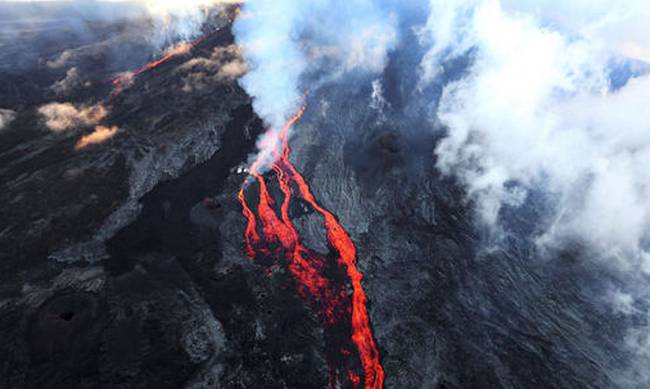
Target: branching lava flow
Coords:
[[278, 238]]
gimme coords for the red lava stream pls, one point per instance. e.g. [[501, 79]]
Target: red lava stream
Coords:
[[125, 78], [271, 235]]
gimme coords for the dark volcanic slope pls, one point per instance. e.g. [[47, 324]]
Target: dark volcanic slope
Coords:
[[446, 312], [123, 265], [61, 302], [46, 182]]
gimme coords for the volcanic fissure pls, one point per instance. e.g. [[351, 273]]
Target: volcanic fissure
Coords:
[[324, 281], [122, 80]]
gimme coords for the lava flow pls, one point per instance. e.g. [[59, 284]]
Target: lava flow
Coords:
[[182, 48], [269, 235]]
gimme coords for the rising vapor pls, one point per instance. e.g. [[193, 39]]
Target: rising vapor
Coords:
[[283, 44], [180, 19], [6, 117], [224, 64], [60, 117], [542, 109], [537, 111]]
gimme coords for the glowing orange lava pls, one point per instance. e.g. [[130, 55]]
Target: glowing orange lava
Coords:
[[280, 240], [182, 48]]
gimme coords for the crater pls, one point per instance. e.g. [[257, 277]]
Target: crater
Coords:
[[64, 326]]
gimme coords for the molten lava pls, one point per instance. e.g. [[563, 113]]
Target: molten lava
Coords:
[[182, 48], [278, 238]]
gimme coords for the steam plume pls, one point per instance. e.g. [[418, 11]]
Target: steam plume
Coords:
[[69, 83], [6, 117], [63, 116], [283, 43], [180, 19], [538, 111], [225, 63]]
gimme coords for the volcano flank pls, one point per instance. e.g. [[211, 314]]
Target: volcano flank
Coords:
[[147, 242]]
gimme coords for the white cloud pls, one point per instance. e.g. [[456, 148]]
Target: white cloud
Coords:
[[620, 26], [535, 111], [180, 19], [60, 117], [377, 100], [224, 64], [445, 33], [6, 117], [69, 83], [283, 41], [171, 20]]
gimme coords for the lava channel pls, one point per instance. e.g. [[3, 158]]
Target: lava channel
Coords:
[[126, 78], [322, 281]]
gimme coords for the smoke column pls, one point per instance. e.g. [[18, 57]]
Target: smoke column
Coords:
[[284, 43], [180, 19]]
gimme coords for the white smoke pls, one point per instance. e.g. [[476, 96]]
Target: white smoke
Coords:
[[620, 26], [69, 83], [60, 117], [536, 111], [224, 64], [6, 116], [377, 100], [180, 19], [171, 20], [284, 40]]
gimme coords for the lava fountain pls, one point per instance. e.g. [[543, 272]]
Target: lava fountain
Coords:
[[323, 280]]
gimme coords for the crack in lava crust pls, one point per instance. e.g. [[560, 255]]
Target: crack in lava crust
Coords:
[[280, 240]]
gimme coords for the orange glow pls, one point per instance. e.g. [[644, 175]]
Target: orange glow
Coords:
[[124, 79], [100, 135], [282, 242], [252, 238]]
